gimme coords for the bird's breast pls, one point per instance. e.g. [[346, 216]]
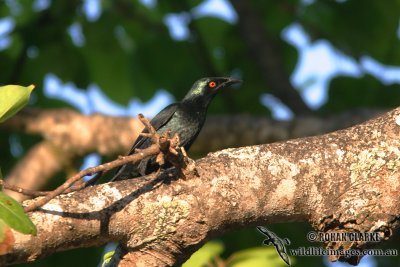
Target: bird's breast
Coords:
[[186, 124]]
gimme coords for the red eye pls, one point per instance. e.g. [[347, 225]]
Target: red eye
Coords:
[[212, 84]]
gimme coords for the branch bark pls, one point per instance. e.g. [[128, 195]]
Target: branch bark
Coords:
[[71, 134], [342, 181]]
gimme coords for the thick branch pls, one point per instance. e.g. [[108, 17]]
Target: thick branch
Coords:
[[71, 134], [30, 172], [70, 131], [79, 134], [343, 181], [243, 130]]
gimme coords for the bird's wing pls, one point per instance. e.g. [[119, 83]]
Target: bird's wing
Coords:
[[142, 142], [157, 122]]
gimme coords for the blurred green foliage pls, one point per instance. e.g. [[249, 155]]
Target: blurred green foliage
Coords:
[[129, 52]]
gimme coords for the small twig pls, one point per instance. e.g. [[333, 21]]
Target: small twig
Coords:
[[79, 185], [153, 135], [164, 147], [152, 150], [23, 191], [148, 135], [66, 187]]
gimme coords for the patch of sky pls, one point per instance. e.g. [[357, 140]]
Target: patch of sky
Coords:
[[92, 9], [40, 5], [76, 34], [94, 100], [4, 43], [89, 161], [148, 3], [99, 102], [318, 63], [53, 88], [221, 9], [177, 24], [278, 109], [7, 24], [386, 74]]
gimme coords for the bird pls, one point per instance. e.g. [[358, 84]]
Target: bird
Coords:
[[185, 118]]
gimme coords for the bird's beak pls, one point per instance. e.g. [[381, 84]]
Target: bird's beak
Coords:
[[230, 81], [226, 82]]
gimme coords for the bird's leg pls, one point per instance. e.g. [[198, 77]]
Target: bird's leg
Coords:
[[190, 164], [152, 176], [177, 156]]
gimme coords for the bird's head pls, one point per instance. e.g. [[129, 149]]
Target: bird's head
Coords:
[[205, 89]]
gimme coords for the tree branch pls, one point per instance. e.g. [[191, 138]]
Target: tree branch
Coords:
[[71, 134], [29, 172], [76, 133], [163, 147], [343, 181]]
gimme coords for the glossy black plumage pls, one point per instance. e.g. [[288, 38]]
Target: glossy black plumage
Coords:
[[186, 118]]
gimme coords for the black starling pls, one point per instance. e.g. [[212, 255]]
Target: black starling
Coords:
[[186, 118]]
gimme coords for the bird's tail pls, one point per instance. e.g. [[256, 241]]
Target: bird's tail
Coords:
[[125, 172], [94, 179]]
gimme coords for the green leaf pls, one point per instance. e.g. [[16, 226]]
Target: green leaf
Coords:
[[12, 99], [3, 228], [1, 178], [107, 257], [12, 213], [259, 256], [204, 255]]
